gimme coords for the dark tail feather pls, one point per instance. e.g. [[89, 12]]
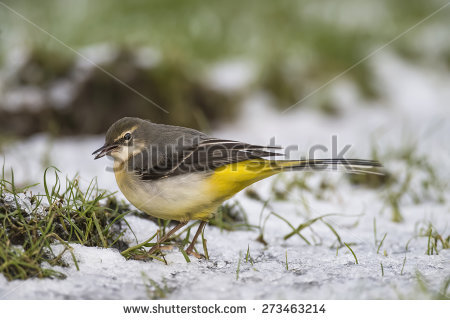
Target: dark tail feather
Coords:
[[341, 164]]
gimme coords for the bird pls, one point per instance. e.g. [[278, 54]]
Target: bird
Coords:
[[177, 173]]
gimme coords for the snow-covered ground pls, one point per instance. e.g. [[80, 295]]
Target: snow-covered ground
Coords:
[[415, 109]]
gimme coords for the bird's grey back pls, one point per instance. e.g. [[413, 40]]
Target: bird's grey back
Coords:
[[163, 135], [166, 146]]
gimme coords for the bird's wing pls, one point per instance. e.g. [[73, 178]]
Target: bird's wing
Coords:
[[203, 156]]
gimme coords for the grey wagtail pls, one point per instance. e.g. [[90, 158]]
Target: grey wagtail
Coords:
[[182, 174]]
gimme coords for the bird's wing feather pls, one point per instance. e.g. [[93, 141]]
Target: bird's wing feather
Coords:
[[206, 155]]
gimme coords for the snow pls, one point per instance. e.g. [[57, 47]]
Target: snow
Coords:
[[231, 76], [415, 109]]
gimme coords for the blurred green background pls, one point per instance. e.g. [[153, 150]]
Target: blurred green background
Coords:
[[198, 60]]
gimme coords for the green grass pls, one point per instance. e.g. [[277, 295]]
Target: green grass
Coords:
[[403, 265], [248, 257], [262, 222], [89, 217], [287, 265], [424, 287], [308, 224], [417, 182], [281, 189], [435, 240], [139, 251], [205, 247], [381, 243], [353, 253], [238, 269], [154, 290], [283, 185], [231, 216], [297, 182]]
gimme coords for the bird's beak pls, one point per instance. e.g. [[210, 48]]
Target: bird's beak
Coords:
[[104, 150]]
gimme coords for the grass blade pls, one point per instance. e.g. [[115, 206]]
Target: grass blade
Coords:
[[354, 255]]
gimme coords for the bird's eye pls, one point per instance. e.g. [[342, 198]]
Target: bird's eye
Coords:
[[127, 136]]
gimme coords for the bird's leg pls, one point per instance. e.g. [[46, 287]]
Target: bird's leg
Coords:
[[190, 249], [166, 236]]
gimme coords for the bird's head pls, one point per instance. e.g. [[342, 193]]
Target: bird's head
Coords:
[[124, 138]]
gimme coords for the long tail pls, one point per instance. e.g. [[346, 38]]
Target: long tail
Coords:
[[340, 164], [234, 177]]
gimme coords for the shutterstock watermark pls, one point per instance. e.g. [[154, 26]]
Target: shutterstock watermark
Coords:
[[161, 160]]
